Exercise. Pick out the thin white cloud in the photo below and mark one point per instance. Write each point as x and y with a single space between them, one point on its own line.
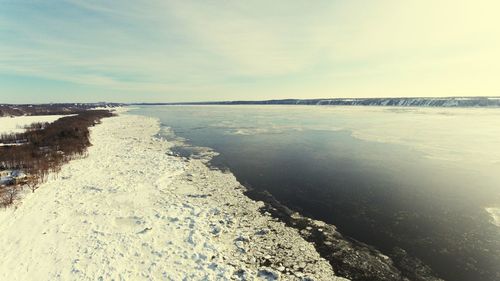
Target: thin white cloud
279 48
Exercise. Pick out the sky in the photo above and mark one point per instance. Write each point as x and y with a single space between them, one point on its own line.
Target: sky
172 51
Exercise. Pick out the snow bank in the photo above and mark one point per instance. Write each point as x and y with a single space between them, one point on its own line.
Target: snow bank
132 211
10 125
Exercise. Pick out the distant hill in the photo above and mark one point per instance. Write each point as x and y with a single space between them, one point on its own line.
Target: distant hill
421 102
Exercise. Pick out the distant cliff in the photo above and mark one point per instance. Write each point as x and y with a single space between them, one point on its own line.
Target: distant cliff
422 102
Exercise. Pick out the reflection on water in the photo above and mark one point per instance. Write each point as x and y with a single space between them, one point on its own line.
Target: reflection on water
424 180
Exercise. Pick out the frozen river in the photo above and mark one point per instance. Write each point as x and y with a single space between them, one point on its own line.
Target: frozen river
421 179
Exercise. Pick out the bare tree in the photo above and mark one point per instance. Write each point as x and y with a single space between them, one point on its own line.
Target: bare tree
33 182
9 194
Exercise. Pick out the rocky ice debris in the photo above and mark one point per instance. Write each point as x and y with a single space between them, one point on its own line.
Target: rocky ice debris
348 257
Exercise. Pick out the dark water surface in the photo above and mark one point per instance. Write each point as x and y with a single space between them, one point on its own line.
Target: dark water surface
367 171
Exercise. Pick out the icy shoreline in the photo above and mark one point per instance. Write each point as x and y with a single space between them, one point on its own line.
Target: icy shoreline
132 211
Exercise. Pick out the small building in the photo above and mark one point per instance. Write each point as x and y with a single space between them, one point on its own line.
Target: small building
4 181
9 177
19 176
5 173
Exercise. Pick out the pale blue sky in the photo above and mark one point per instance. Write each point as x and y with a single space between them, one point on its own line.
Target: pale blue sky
156 50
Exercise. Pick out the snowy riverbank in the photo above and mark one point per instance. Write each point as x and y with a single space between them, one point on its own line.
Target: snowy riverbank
131 211
9 125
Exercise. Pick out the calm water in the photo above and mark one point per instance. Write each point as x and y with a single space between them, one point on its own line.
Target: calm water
418 179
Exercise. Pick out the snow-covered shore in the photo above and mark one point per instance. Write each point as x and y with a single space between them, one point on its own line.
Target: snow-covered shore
132 211
16 124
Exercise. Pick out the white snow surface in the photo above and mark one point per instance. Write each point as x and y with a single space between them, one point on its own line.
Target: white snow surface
10 125
131 211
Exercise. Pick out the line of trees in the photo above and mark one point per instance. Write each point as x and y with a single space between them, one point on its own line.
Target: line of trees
50 109
45 147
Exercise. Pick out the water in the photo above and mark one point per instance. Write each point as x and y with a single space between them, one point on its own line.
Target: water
425 180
